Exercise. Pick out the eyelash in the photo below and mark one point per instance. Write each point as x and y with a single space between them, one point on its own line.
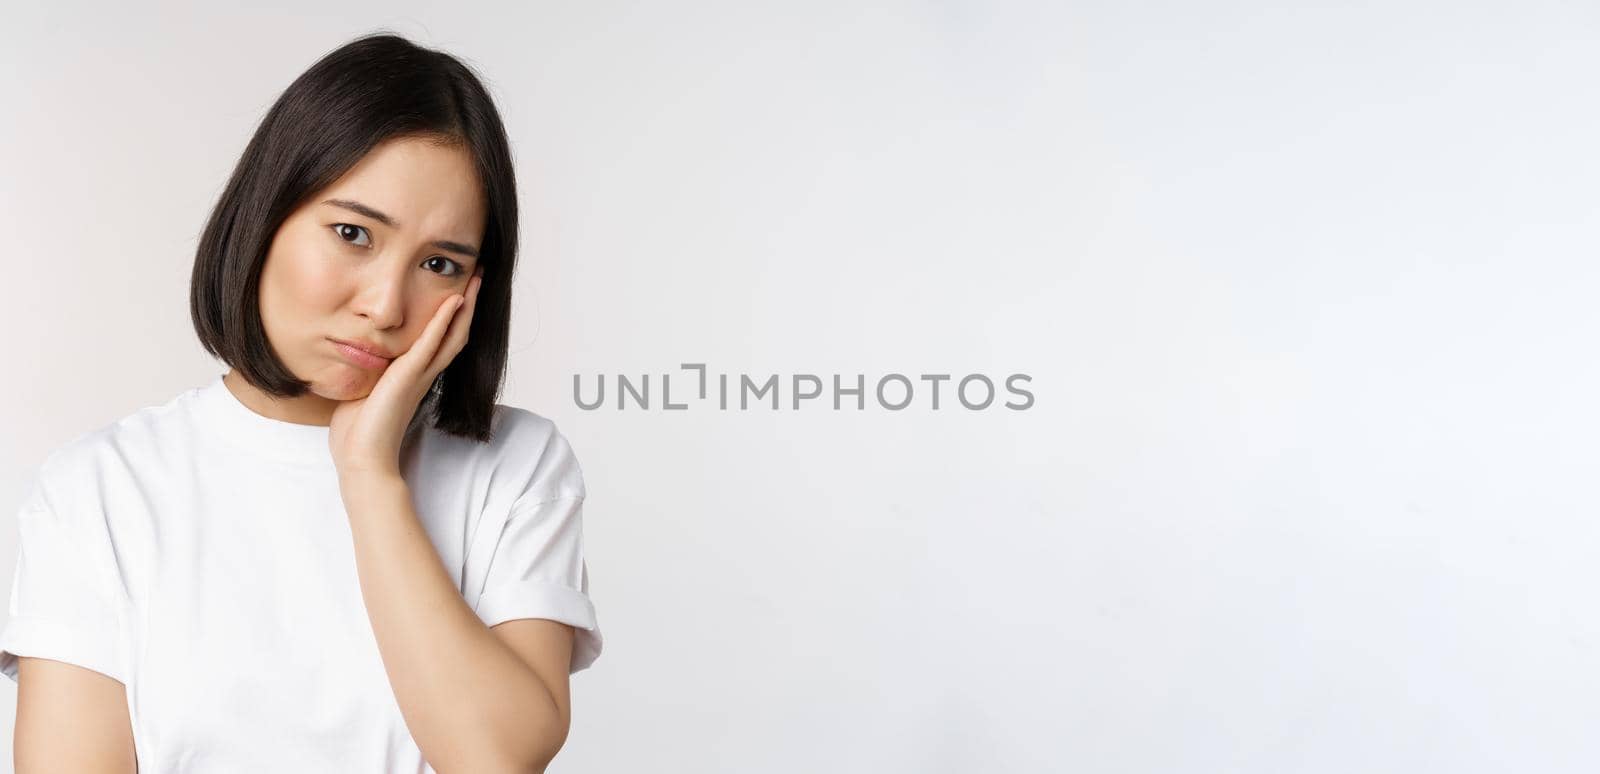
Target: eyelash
337 230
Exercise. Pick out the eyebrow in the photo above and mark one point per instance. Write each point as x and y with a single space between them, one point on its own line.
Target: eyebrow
362 209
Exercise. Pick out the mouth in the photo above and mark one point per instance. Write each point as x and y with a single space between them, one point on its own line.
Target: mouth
359 355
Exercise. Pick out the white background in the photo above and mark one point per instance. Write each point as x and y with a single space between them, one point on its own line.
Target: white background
1306 293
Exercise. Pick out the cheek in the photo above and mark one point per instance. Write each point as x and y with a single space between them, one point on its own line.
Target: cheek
318 283
421 312
299 286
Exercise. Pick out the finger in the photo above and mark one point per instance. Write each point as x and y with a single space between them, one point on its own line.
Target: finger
460 327
428 343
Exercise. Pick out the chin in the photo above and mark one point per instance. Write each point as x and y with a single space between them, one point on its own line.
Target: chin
347 383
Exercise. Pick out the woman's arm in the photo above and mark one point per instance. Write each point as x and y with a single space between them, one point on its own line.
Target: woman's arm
471 702
70 720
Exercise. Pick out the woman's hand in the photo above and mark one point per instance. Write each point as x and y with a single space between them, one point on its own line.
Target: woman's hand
364 435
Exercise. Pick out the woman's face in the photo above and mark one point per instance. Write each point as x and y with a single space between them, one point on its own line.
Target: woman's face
369 259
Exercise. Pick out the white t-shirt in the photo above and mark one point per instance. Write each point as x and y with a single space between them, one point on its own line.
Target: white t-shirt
200 553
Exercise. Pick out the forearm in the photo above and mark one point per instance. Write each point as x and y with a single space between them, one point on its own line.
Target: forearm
470 702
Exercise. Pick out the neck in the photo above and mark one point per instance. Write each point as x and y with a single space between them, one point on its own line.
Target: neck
308 409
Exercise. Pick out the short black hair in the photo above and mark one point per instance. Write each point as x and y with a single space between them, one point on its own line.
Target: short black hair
374 88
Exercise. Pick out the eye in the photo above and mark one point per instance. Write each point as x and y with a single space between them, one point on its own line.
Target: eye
344 229
458 268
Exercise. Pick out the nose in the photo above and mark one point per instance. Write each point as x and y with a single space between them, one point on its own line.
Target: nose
382 295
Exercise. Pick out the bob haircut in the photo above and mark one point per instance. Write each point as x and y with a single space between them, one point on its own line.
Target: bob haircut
374 88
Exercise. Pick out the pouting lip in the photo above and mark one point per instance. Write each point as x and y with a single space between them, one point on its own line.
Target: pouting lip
367 347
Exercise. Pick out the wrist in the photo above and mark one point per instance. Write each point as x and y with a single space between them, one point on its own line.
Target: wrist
369 479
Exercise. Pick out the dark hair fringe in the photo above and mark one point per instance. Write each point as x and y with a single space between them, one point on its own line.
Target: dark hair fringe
374 88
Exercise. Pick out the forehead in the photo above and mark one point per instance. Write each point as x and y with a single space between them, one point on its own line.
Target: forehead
428 189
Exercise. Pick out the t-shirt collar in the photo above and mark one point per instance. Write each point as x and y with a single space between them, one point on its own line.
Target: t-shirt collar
243 428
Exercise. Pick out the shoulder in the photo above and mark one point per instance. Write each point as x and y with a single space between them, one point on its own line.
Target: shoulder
79 467
521 422
535 451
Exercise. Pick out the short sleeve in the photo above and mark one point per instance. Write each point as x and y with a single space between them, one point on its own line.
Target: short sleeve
537 569
64 604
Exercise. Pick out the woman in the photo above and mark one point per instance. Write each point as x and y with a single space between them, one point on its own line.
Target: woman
339 555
